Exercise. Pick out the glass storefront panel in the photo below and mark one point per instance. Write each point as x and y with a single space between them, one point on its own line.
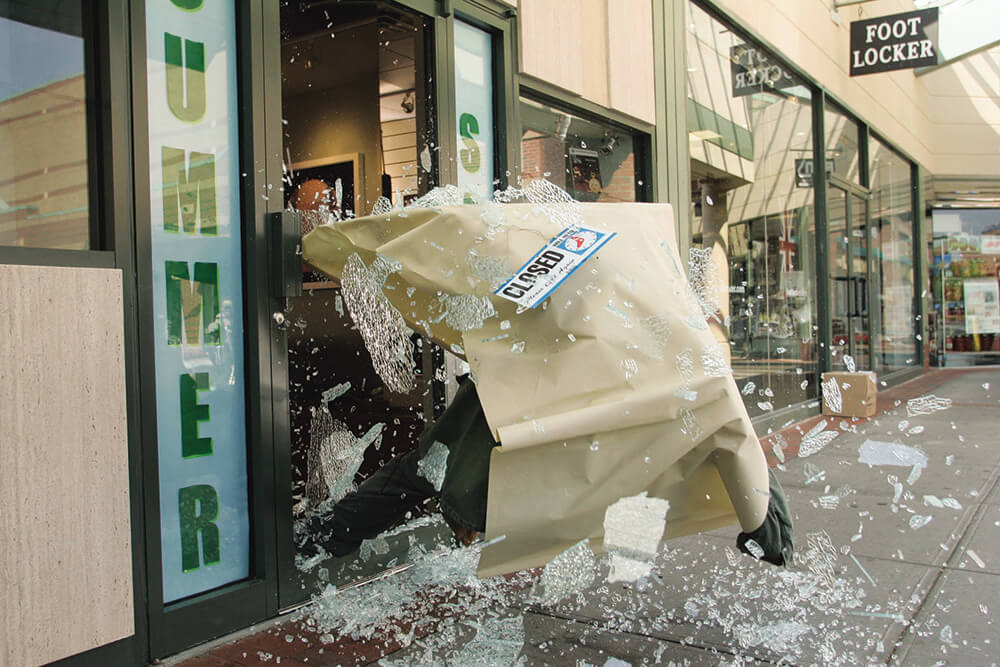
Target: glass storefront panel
750 128
196 247
891 239
592 161
474 108
44 192
965 259
358 137
842 155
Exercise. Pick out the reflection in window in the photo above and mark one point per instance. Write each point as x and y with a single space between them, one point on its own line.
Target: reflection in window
892 238
594 162
43 126
749 137
841 145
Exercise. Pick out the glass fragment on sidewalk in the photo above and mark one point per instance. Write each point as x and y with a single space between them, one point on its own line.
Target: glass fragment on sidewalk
878 453
568 573
633 529
925 405
816 439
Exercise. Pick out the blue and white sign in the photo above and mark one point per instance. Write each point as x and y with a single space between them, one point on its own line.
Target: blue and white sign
552 265
474 108
197 278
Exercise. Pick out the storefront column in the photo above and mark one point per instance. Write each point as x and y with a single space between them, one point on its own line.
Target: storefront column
922 292
671 164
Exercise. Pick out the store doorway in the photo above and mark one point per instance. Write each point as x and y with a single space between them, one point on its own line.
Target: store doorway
851 286
358 133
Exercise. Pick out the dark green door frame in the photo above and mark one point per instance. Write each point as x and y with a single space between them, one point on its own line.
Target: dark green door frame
499 19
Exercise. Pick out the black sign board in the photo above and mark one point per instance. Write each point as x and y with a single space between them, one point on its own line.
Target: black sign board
804 171
754 72
900 41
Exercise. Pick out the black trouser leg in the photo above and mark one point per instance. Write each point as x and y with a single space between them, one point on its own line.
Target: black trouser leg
380 501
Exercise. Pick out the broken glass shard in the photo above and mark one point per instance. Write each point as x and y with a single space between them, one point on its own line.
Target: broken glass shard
704 281
633 526
568 573
713 358
333 393
467 312
492 270
689 424
816 439
831 395
654 332
381 326
877 453
755 549
926 405
383 206
433 465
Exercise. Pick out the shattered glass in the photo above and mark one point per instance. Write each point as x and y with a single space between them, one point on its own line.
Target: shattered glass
383 328
925 405
433 465
634 526
334 457
654 333
713 358
689 424
831 395
467 312
704 281
877 453
492 270
568 573
816 439
552 201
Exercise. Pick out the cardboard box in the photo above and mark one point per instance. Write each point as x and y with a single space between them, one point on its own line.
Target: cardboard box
849 394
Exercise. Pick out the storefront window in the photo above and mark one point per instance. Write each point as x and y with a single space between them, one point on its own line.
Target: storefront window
44 198
964 265
196 259
891 231
474 108
593 161
842 157
750 132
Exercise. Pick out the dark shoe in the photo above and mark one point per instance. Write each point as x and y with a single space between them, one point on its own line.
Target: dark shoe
464 535
772 542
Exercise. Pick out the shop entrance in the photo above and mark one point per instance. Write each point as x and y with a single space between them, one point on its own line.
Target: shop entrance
851 285
357 133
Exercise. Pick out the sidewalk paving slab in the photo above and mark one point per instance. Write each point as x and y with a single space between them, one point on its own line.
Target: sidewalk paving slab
956 625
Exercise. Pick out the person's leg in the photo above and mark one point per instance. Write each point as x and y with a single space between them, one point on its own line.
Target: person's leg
774 536
385 497
379 502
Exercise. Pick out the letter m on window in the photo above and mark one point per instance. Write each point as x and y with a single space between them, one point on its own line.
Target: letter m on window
188 192
192 306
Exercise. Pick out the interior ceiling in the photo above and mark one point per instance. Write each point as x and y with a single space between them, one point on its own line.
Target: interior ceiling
324 47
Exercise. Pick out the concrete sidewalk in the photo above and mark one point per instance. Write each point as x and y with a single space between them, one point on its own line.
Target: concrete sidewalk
894 565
